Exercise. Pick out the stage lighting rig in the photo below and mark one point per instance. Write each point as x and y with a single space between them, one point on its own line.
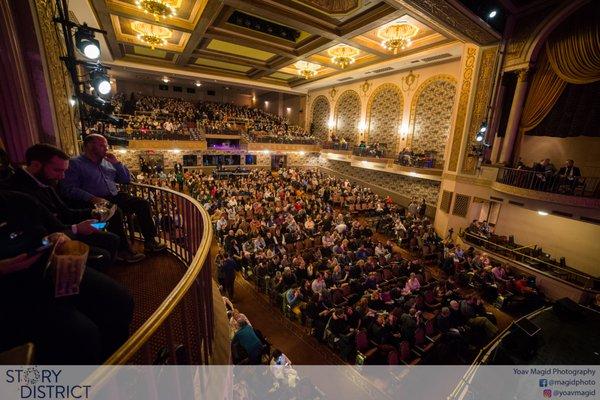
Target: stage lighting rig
86 43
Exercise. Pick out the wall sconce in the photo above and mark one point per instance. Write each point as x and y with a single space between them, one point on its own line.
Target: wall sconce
266 103
330 123
289 110
362 127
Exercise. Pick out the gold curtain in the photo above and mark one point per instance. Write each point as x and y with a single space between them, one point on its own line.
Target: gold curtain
573 49
546 87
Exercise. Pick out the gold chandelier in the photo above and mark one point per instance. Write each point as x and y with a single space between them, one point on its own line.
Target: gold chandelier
307 69
397 36
343 55
151 35
158 8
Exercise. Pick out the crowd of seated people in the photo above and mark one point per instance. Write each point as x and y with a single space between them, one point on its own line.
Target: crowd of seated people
307 239
544 176
409 158
372 150
36 216
162 118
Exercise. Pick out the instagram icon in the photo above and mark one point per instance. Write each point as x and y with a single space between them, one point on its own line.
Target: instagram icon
547 393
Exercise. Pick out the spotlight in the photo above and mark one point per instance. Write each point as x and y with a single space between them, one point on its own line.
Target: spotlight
492 14
483 127
198 84
86 44
165 79
479 137
542 213
72 101
100 82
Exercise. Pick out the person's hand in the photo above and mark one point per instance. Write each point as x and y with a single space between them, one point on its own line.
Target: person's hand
111 158
58 238
98 200
18 263
85 228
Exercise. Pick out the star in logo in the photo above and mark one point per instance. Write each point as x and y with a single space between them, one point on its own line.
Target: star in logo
32 375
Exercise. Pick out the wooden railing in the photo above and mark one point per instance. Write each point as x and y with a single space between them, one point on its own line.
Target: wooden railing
185 316
552 183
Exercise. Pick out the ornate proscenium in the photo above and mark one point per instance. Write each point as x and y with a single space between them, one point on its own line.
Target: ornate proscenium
397 36
307 69
151 35
158 8
343 55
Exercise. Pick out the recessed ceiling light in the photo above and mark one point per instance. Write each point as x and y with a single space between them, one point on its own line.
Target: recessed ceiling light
492 14
542 213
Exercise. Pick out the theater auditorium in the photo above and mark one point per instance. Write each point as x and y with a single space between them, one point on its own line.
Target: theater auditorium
347 183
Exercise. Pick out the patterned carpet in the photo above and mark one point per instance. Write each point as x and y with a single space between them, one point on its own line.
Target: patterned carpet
149 282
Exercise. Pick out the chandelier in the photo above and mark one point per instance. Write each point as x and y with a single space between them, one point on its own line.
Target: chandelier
343 55
307 69
158 8
151 35
397 36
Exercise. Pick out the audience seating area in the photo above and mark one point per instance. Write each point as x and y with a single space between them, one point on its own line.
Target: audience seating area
161 118
367 278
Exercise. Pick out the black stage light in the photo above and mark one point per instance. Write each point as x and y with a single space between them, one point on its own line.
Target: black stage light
86 43
100 82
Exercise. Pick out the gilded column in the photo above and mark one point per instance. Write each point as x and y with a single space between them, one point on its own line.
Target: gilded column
60 86
516 110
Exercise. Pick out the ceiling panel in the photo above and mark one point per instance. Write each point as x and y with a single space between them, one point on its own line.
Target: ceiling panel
261 40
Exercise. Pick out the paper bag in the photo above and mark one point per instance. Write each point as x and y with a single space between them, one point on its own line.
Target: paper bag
68 262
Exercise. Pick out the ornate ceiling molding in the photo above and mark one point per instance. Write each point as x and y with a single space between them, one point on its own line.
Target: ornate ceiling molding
333 6
446 14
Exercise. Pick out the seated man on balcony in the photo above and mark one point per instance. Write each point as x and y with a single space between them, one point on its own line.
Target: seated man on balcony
568 177
92 178
46 166
84 328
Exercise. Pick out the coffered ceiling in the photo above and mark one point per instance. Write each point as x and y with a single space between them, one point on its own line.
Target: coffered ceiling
258 41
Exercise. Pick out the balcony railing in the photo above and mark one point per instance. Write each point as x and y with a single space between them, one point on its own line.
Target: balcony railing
186 315
157 134
281 139
372 152
551 183
530 257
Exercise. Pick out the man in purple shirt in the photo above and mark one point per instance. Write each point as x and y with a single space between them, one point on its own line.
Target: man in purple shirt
92 178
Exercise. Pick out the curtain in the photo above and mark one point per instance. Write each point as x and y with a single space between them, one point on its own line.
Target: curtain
576 113
573 49
546 87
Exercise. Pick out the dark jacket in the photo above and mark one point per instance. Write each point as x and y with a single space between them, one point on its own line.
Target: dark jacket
563 171
22 182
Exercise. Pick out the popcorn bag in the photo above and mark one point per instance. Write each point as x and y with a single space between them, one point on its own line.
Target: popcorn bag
69 261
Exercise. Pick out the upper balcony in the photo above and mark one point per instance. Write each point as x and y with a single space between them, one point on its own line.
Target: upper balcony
573 191
417 166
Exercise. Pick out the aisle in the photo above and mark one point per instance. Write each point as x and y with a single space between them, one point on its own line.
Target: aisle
290 337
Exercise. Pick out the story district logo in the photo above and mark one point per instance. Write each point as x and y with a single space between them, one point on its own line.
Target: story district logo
33 383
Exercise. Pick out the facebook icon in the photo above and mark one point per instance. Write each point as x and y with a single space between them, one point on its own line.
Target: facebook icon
543 382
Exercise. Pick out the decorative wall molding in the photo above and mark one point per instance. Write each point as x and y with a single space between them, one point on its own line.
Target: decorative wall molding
482 96
60 85
463 102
